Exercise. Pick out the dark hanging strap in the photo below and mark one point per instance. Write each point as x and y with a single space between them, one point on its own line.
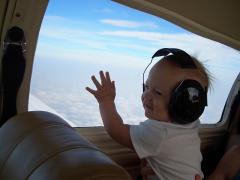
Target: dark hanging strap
13 67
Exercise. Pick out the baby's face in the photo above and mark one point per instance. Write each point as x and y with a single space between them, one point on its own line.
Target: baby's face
162 78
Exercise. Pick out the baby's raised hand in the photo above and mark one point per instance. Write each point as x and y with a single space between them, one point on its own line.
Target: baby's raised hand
105 90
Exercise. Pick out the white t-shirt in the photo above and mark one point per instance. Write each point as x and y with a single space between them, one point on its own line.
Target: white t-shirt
172 150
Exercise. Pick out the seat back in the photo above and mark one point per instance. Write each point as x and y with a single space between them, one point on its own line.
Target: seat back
40 145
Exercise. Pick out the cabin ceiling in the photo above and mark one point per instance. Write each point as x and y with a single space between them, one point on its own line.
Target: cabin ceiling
213 19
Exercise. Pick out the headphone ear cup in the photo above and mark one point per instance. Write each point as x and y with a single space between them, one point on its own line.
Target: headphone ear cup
187 101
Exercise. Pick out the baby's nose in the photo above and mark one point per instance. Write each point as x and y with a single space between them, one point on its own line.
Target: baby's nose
147 95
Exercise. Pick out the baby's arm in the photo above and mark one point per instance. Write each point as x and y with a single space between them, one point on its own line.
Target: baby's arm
113 123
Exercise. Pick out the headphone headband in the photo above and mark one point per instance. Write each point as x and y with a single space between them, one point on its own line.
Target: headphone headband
183 58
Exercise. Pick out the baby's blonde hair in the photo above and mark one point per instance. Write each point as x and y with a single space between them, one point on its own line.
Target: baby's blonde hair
205 73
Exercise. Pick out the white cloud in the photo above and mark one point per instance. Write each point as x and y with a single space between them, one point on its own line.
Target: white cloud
82 109
128 24
214 54
102 43
98 57
107 10
74 36
145 35
207 50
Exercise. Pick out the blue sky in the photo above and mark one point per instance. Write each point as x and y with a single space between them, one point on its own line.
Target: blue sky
79 38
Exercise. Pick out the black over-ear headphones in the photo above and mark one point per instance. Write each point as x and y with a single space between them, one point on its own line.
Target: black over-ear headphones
188 99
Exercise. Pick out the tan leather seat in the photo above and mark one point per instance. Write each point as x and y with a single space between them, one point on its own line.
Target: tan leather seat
40 145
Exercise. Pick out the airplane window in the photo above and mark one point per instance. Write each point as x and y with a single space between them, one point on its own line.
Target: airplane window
78 39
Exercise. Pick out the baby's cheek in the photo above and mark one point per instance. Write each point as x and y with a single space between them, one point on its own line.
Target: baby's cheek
161 106
165 101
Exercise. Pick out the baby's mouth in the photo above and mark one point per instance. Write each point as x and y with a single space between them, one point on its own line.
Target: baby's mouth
148 107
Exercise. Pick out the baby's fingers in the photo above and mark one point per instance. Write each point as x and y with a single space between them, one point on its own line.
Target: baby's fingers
95 81
103 79
108 77
113 85
91 91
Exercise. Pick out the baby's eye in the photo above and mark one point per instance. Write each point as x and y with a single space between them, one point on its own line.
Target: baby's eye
158 92
146 86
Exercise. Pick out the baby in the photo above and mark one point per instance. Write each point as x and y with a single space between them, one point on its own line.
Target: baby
175 94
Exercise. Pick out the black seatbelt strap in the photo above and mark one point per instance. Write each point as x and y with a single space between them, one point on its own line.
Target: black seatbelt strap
13 67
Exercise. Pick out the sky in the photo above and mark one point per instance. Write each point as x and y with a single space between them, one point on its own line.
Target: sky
79 38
